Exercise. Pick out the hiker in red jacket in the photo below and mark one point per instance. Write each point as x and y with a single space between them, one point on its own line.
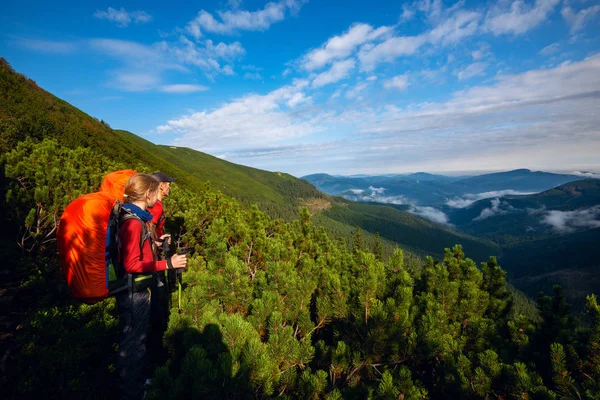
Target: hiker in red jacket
161 299
157 211
138 261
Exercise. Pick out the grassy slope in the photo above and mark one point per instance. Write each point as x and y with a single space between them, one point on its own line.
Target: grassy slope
232 179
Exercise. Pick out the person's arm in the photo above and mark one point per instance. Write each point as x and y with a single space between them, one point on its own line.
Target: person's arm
130 235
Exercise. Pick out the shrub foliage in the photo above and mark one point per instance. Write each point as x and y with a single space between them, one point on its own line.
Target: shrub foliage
272 308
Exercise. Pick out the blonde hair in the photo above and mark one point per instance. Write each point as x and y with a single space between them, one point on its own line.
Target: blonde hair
137 186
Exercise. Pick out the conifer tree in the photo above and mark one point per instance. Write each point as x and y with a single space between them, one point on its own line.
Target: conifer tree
592 360
357 241
378 248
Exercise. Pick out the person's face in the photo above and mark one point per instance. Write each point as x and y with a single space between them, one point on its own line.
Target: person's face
151 197
165 188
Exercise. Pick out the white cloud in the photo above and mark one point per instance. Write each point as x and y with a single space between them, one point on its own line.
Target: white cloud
234 3
436 75
376 191
550 49
472 70
587 174
248 121
387 51
123 18
141 60
374 195
227 70
336 94
455 28
407 13
131 52
483 52
357 191
539 119
341 46
183 88
578 20
231 21
520 18
495 209
297 98
572 221
468 199
227 51
204 55
337 72
539 91
398 82
430 213
433 9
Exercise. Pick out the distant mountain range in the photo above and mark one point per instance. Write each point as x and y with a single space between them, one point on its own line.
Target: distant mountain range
436 190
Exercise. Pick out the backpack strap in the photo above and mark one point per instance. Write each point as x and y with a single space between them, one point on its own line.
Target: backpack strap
126 215
126 281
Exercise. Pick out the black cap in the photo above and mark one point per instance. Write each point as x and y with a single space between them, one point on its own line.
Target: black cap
162 177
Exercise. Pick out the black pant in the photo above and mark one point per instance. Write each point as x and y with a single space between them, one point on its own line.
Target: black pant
134 315
159 321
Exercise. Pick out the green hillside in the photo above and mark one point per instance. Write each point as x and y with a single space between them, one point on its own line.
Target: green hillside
276 193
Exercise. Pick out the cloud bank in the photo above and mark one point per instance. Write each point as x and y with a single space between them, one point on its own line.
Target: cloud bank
572 221
498 207
468 199
430 213
235 20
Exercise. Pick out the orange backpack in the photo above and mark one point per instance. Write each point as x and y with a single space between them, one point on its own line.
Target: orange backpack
87 241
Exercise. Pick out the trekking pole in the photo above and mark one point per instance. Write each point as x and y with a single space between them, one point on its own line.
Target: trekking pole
179 277
165 248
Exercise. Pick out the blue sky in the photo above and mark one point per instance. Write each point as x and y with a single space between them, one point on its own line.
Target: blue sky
342 87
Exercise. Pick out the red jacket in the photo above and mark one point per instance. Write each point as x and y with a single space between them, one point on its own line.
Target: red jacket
129 235
158 217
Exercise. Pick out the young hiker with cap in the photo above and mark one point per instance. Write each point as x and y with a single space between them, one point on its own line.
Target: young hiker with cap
157 211
161 303
138 261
